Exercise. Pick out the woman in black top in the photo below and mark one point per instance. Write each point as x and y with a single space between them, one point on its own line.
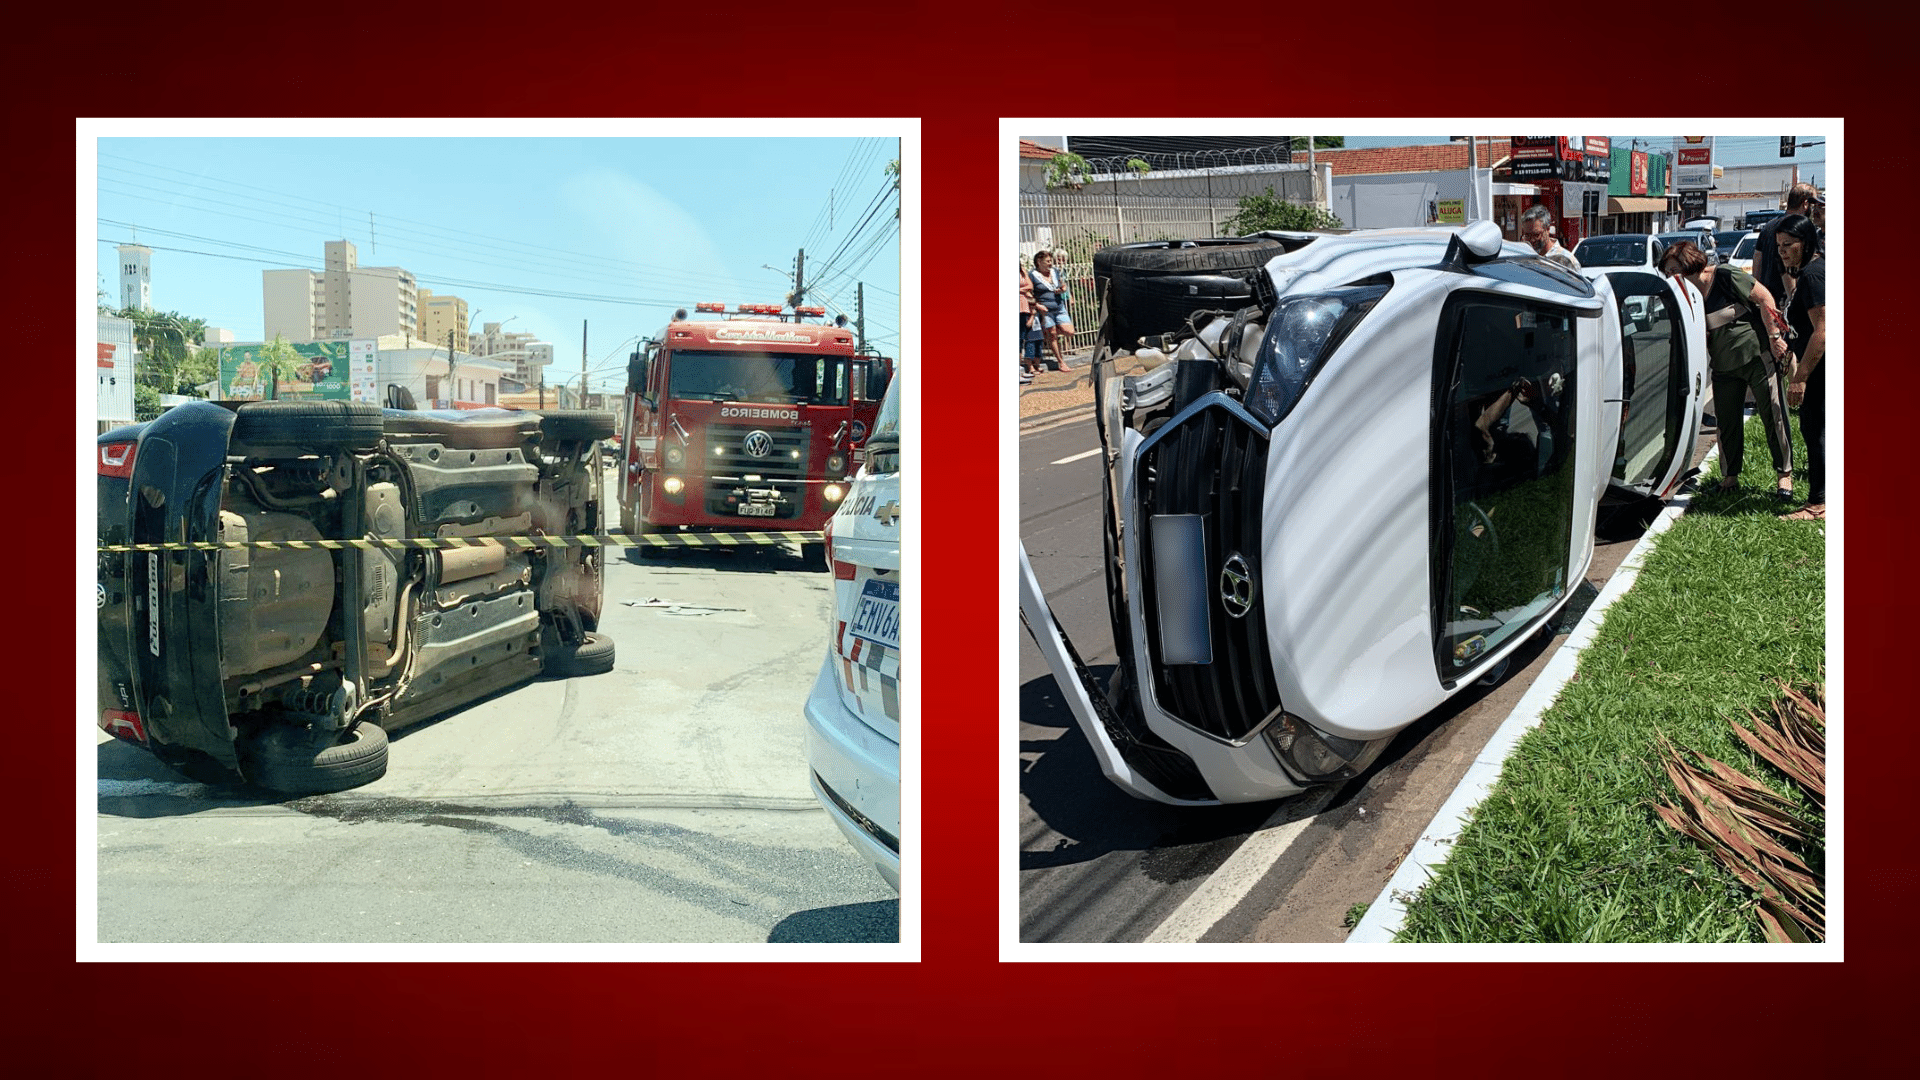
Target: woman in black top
1805 268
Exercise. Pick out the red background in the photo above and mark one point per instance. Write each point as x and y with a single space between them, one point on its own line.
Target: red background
959 1008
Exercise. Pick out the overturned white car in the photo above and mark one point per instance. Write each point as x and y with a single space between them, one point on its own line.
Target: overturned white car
1339 504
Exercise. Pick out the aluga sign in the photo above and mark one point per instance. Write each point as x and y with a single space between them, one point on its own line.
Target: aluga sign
752 419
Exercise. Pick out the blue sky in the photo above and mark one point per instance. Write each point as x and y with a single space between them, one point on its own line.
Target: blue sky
545 232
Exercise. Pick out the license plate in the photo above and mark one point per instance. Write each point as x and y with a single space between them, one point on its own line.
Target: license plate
877 619
757 509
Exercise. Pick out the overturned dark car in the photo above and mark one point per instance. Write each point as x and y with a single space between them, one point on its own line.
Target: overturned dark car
281 584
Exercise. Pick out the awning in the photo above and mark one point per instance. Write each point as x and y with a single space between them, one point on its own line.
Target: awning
1637 205
1504 187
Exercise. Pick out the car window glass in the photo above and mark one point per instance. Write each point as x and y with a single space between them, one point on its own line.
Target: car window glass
1651 343
1507 489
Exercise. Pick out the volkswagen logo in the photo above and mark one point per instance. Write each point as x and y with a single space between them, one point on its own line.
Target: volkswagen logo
757 444
1236 586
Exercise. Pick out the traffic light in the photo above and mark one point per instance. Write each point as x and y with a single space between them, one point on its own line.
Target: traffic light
1786 146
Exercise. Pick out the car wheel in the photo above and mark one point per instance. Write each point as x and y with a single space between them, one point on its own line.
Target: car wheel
576 425
308 425
592 656
282 758
1151 288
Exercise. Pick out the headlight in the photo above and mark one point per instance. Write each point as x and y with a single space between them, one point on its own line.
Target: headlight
833 492
837 463
675 455
1314 755
1301 333
673 485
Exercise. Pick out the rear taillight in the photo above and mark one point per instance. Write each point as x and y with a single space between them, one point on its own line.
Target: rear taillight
123 724
116 459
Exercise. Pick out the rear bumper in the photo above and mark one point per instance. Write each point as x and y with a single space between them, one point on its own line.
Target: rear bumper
158 626
855 775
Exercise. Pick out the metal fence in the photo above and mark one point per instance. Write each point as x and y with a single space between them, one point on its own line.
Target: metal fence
1073 224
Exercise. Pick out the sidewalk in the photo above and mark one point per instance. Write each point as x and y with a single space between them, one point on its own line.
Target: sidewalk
1057 395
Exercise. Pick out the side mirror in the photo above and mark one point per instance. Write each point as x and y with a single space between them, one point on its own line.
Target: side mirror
636 374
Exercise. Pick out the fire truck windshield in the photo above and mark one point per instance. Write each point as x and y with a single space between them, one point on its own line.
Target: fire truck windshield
780 378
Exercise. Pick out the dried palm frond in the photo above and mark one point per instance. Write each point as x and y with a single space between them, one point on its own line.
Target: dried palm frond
1747 827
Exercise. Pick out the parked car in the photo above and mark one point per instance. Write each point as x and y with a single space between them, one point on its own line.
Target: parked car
853 711
286 658
1619 249
1340 505
1742 256
1725 241
1700 237
1757 219
1664 380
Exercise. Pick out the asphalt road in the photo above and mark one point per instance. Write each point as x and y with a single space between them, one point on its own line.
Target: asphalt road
666 801
1099 865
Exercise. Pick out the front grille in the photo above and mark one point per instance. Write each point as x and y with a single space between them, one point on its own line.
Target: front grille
727 452
1214 465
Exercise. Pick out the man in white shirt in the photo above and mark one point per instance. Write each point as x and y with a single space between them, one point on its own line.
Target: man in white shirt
1536 228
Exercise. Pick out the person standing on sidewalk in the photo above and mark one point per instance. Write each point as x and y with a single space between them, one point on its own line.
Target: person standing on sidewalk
1804 268
1740 360
1027 331
1050 292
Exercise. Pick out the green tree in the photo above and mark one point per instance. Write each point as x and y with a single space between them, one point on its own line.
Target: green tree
1067 169
1268 211
1320 142
146 402
893 173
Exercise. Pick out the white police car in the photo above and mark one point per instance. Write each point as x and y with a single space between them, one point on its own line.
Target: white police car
853 712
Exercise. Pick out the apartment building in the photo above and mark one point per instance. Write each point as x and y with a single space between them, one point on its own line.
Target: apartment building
344 300
443 315
528 356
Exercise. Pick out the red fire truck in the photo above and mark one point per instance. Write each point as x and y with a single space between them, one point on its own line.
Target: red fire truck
750 420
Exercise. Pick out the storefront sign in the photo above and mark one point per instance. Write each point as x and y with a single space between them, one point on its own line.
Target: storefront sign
1453 211
1637 174
1534 157
1693 164
1693 204
1599 162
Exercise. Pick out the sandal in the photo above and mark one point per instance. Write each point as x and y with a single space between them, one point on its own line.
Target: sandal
1809 512
1783 494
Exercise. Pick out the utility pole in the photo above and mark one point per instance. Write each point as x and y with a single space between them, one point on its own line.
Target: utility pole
860 316
583 363
800 278
450 367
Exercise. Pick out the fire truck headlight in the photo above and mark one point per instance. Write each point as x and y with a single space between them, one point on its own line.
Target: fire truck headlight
837 463
833 492
672 485
675 455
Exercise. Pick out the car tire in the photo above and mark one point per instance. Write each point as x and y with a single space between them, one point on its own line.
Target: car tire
593 656
282 759
575 425
308 425
1151 288
814 556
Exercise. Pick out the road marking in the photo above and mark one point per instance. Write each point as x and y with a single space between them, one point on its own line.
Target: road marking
1226 887
1076 457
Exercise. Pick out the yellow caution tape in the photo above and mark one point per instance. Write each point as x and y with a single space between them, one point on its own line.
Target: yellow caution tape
517 543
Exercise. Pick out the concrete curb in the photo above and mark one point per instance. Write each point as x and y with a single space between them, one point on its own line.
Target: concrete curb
1388 911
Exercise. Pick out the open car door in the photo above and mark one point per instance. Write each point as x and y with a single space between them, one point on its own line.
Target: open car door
1663 333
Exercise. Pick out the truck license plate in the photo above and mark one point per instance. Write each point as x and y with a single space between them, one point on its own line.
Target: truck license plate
877 619
756 509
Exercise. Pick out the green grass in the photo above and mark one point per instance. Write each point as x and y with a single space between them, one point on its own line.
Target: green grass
1566 847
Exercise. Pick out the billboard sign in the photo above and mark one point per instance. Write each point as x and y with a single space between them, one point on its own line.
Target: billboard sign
360 371
317 371
1453 211
1637 177
113 370
1693 164
1599 163
1534 157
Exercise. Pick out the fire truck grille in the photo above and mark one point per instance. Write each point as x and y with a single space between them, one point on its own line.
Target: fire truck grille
777 456
1213 466
729 446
